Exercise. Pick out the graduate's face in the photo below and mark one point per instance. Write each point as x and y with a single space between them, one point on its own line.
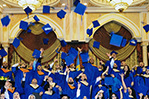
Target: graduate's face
146 97
123 63
84 97
100 95
31 63
39 68
5 65
141 64
16 95
115 65
32 97
114 96
57 66
34 81
64 97
126 68
70 80
113 55
47 66
100 67
72 65
91 60
50 79
83 77
10 85
23 65
147 71
2 96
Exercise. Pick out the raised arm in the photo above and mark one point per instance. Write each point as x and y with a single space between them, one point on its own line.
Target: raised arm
106 71
123 83
51 65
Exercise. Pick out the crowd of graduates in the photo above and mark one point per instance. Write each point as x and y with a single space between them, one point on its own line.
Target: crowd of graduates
112 80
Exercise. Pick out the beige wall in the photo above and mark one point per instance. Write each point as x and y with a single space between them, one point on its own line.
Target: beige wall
73 27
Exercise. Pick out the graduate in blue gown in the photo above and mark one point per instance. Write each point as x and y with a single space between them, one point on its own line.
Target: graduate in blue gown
128 77
116 72
50 66
89 69
146 79
99 85
52 92
124 91
99 95
5 74
57 75
39 74
34 88
69 86
111 62
22 76
139 83
101 68
73 72
9 90
83 87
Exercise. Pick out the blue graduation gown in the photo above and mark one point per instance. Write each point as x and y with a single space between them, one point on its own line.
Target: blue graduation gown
11 94
138 81
39 78
125 95
31 90
67 90
100 72
118 62
147 84
55 95
84 91
18 79
6 75
96 88
129 80
116 74
91 72
57 78
74 74
115 87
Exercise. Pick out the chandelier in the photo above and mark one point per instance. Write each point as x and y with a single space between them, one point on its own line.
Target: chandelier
32 4
120 5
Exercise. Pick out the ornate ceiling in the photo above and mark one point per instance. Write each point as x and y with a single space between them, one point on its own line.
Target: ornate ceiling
13 3
93 5
105 3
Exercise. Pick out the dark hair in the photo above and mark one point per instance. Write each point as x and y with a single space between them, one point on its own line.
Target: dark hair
128 71
65 95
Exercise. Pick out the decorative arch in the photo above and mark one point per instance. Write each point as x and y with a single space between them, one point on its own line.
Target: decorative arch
124 21
33 41
15 31
123 52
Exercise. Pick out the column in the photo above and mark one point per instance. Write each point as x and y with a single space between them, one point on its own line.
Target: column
144 52
6 46
5 38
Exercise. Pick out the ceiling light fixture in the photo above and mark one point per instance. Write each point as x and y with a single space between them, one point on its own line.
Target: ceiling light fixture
32 4
120 5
